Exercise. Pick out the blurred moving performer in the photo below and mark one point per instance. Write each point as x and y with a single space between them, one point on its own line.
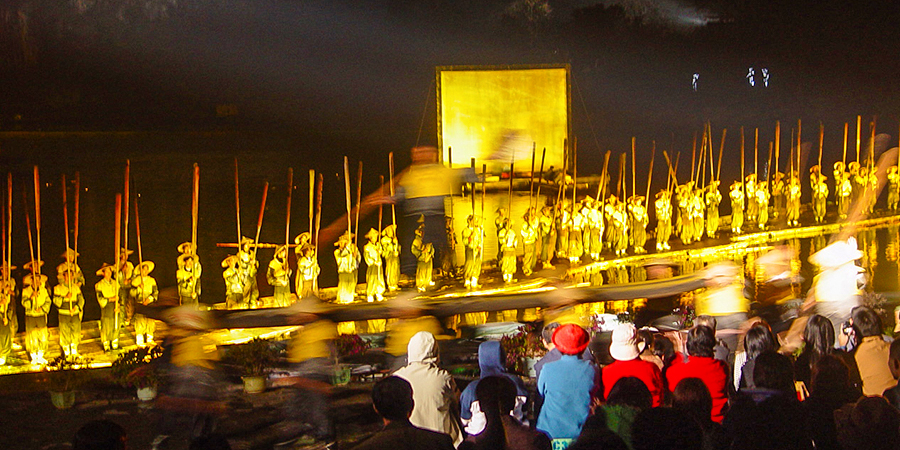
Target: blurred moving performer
374 274
310 354
146 292
192 388
347 257
307 272
108 298
448 258
188 275
411 319
70 305
278 275
762 202
421 190
424 253
36 301
390 250
893 177
473 241
124 274
724 300
392 398
836 286
7 312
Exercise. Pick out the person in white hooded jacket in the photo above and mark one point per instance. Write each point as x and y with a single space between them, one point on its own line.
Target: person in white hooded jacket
434 391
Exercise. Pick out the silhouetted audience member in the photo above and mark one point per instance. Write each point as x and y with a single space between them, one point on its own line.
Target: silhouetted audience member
830 389
873 352
768 416
645 344
666 429
568 386
701 363
392 398
869 424
665 350
552 354
100 435
595 435
721 349
627 398
212 442
692 397
892 395
818 338
759 339
496 396
624 349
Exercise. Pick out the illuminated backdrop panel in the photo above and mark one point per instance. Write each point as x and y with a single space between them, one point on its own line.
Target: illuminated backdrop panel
490 113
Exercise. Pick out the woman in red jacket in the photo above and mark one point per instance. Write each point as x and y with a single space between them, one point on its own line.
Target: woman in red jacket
702 364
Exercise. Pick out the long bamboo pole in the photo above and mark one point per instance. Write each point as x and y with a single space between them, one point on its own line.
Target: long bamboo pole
702 159
117 258
37 210
195 213
483 178
777 144
531 182
77 216
799 142
472 185
512 170
722 149
650 172
694 150
769 164
844 157
318 215
65 200
872 146
743 185
287 225
137 231
34 263
821 142
621 172
126 196
9 202
604 176
347 194
237 202
380 209
393 209
358 201
858 134
633 172
262 211
671 170
312 184
756 155
574 172
537 196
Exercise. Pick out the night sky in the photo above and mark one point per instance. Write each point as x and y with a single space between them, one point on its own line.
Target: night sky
312 81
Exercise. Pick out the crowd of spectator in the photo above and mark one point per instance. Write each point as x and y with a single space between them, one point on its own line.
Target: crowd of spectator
647 389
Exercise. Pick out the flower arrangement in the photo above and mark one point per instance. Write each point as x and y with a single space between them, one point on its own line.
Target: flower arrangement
525 343
347 345
134 368
64 374
255 358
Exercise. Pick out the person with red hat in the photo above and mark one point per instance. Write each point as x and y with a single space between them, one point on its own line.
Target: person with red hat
568 385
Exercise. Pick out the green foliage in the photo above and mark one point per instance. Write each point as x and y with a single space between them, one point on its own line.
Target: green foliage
525 343
134 369
255 358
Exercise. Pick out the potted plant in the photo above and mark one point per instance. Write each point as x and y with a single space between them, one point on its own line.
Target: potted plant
255 358
135 368
523 349
346 346
64 376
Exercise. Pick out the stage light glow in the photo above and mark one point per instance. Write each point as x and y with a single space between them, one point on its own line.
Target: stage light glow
480 108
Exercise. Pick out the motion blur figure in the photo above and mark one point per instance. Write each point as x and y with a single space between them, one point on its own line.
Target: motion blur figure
836 286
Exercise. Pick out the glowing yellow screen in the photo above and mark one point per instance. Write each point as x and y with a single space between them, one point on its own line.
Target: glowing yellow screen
480 109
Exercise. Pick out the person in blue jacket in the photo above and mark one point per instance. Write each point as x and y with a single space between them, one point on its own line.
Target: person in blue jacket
491 362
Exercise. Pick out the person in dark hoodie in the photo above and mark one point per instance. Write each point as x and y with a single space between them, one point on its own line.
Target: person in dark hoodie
491 362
